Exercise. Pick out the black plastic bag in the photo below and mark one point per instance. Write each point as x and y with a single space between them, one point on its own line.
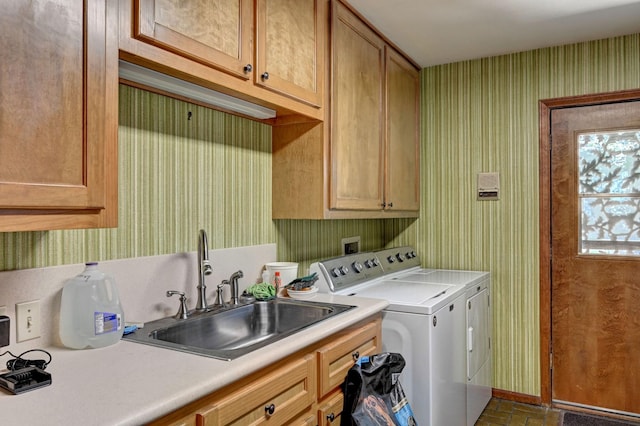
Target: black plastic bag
373 395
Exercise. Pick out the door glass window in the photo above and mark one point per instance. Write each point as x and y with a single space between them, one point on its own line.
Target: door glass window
609 192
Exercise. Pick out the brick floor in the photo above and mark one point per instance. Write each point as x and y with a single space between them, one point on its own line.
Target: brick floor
500 412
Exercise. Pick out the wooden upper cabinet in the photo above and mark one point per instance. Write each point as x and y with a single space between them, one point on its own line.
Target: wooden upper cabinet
270 52
215 33
290 47
402 186
58 118
362 162
357 132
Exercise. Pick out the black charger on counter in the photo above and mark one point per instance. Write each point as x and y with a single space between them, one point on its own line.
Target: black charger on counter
24 374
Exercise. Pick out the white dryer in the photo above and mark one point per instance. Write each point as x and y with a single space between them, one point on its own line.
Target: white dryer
479 365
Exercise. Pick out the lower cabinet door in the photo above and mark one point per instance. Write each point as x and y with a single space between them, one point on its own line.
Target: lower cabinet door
276 398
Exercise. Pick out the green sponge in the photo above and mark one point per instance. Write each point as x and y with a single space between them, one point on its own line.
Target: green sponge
262 291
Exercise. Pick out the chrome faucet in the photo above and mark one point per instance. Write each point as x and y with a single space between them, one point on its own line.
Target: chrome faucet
233 280
204 268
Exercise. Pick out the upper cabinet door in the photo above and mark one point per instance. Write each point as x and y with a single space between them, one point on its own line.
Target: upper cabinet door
402 188
357 121
290 39
58 115
217 33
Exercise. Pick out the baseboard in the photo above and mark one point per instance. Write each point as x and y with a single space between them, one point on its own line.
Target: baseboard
517 397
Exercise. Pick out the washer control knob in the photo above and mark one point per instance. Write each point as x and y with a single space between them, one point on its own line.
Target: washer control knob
357 266
375 261
401 257
412 254
335 272
391 259
344 270
369 263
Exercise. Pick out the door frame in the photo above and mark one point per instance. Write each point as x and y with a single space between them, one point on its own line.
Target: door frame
545 107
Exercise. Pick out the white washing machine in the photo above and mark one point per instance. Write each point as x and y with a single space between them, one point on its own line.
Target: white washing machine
426 322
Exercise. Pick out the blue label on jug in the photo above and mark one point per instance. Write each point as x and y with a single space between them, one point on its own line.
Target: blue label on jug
106 322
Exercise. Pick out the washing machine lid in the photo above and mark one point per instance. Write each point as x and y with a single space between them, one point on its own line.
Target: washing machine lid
444 276
410 296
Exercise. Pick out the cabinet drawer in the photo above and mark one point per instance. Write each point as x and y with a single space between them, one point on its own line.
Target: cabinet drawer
337 357
330 410
288 390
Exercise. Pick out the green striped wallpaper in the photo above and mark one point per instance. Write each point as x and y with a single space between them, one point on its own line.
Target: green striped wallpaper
177 174
482 116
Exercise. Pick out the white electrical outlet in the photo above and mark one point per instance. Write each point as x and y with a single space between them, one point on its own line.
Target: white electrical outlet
27 320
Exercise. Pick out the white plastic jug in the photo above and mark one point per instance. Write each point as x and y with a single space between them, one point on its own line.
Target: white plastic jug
90 312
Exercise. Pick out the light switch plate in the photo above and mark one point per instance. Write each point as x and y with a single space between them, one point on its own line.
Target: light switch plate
488 186
27 320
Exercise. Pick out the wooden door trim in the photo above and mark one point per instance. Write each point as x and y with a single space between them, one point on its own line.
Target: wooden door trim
545 107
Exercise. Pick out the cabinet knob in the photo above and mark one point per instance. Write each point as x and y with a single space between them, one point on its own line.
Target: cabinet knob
248 68
355 355
265 76
331 417
390 204
270 409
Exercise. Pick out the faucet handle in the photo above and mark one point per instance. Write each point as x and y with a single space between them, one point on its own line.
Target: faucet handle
219 299
182 311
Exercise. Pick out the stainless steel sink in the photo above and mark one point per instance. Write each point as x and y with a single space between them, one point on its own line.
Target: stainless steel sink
232 332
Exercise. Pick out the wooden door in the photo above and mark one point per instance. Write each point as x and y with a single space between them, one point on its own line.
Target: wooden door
357 123
58 117
216 33
595 263
290 39
402 177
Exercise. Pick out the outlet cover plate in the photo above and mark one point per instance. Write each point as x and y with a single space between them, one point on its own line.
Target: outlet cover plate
350 245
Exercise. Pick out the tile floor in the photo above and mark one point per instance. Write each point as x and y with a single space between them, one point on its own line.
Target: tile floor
508 413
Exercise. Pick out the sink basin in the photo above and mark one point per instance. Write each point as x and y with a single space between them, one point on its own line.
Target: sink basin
232 332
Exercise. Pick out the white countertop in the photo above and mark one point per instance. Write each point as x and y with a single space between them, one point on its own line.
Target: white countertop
130 383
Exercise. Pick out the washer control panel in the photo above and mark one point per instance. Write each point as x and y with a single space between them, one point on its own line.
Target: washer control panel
346 271
398 258
339 273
